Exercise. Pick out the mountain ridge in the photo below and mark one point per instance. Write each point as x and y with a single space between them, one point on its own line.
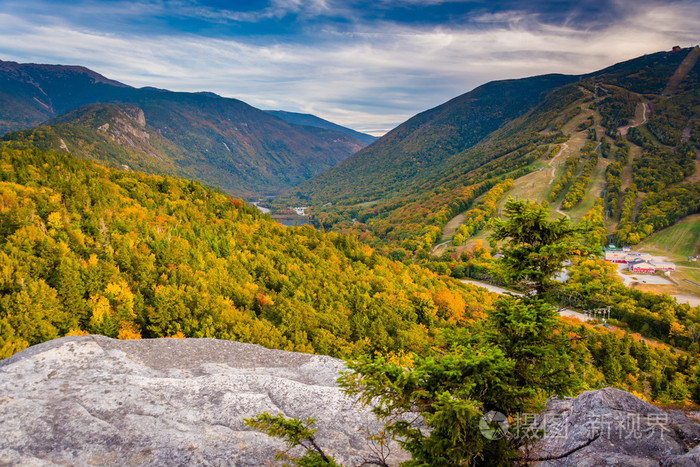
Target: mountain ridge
222 141
432 136
314 121
403 189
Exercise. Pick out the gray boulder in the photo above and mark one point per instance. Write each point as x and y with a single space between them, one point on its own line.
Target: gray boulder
612 427
91 400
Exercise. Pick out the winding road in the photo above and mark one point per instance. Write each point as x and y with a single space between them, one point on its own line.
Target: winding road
562 311
502 291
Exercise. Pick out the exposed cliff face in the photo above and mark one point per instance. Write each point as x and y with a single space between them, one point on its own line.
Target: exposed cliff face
93 400
127 128
219 141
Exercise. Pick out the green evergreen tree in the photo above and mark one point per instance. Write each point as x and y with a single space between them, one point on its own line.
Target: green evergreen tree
513 364
534 248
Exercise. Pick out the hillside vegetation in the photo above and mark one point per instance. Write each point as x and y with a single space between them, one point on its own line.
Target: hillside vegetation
88 249
678 241
221 142
610 135
85 248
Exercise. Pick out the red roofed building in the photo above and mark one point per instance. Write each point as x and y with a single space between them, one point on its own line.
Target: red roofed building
643 268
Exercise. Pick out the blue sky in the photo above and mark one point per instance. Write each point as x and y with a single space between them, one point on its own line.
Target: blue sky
368 65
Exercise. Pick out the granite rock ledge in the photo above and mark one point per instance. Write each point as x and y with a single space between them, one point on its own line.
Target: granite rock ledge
93 400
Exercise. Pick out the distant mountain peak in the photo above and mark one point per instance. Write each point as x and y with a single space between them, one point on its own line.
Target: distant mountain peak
317 122
26 69
217 140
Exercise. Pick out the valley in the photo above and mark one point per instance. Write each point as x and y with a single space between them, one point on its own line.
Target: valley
600 120
453 265
222 142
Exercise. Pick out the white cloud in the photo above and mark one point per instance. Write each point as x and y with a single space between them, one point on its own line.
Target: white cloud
368 79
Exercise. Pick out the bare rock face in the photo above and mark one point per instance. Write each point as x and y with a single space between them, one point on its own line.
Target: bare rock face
128 128
91 400
613 427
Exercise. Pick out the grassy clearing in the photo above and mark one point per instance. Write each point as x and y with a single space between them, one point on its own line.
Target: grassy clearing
533 186
593 192
523 187
452 225
690 273
676 242
367 204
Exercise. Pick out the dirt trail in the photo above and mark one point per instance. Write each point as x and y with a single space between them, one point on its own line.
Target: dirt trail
623 130
439 246
563 148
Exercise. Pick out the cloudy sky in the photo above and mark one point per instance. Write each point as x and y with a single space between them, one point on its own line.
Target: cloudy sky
366 64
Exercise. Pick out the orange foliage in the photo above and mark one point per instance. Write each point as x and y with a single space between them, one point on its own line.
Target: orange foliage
129 331
450 304
264 300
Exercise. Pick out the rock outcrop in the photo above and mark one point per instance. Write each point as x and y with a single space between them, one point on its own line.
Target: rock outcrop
613 427
128 127
91 400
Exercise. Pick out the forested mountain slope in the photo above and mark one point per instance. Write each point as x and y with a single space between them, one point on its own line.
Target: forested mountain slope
568 140
416 148
317 122
220 141
84 248
89 249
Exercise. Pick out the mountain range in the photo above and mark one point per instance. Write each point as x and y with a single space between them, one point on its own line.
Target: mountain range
317 122
627 135
221 141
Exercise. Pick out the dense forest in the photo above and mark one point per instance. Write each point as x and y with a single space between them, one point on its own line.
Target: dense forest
88 249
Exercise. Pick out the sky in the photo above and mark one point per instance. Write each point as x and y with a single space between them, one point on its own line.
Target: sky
365 64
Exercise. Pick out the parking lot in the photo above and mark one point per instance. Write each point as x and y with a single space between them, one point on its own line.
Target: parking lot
628 279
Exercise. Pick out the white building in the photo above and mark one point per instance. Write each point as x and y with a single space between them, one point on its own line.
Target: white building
663 266
618 256
642 267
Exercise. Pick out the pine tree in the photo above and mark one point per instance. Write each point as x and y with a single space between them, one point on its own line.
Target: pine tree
535 248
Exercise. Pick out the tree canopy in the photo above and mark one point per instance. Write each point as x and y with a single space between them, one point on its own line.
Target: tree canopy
534 247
